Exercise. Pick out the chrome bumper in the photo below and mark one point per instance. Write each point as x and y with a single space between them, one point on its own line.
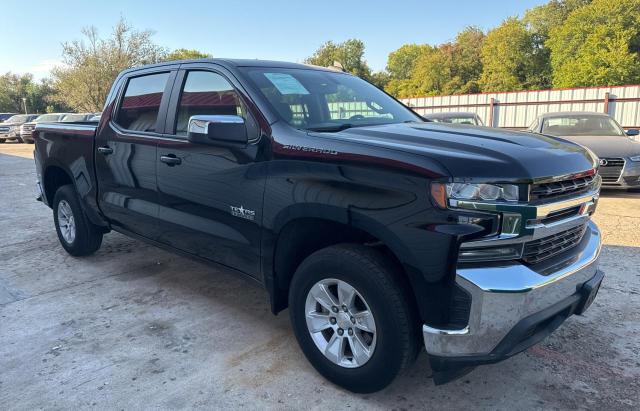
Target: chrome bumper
503 295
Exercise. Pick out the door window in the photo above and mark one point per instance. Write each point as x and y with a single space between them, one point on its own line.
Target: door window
141 102
208 93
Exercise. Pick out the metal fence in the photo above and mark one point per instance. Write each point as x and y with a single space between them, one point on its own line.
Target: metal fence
517 110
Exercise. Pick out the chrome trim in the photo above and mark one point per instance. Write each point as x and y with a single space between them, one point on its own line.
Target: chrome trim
624 165
538 211
441 331
200 124
502 296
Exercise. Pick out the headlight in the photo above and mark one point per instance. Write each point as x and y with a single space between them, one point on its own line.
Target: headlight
635 158
473 192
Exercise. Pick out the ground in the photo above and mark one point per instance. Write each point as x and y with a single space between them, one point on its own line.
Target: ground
136 327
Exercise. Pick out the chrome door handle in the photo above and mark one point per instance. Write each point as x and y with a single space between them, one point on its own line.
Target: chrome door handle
171 160
105 150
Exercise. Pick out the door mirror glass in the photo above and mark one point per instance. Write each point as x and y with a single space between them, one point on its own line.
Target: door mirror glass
212 129
633 132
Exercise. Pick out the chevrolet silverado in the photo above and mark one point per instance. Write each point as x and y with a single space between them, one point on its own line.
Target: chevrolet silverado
381 233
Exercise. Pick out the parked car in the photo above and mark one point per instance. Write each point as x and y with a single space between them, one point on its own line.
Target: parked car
5 116
380 232
76 117
26 130
618 151
455 118
10 129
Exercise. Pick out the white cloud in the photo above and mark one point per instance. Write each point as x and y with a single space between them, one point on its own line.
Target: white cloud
43 68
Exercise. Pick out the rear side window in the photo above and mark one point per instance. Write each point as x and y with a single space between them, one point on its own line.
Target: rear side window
207 93
141 102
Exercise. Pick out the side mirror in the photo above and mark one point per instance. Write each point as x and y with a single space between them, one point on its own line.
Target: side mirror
212 129
633 132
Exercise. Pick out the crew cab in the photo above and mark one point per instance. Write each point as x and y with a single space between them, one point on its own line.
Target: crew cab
381 233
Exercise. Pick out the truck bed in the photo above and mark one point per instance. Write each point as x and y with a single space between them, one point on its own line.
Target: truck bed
70 147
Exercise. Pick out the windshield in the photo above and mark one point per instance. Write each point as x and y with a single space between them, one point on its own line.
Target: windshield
326 101
581 125
47 117
21 118
70 118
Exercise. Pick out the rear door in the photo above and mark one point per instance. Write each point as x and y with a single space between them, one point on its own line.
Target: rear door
211 202
126 157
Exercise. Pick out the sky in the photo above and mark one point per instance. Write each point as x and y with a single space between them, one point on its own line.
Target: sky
32 32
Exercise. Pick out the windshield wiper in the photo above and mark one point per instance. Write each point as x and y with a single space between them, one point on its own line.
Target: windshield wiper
329 129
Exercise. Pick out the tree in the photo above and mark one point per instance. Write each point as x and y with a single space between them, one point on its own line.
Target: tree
539 21
450 68
14 87
401 62
90 68
542 19
349 54
598 44
509 58
186 54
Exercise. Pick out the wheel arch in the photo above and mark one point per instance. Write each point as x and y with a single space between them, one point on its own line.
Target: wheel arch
301 235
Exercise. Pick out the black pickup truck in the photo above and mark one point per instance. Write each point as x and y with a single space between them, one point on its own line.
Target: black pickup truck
379 231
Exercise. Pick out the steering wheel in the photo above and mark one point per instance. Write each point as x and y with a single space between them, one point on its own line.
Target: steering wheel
357 117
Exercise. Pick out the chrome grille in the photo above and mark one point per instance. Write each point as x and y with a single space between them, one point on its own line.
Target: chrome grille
547 247
4 129
610 169
559 188
28 127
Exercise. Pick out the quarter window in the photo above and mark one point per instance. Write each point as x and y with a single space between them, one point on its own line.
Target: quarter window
207 93
141 102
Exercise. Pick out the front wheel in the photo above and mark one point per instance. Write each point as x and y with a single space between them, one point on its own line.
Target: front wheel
351 313
76 233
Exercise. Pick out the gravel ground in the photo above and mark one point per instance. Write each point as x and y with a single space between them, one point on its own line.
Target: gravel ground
135 327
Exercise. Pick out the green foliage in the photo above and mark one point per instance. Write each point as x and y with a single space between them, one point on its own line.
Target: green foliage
598 44
401 62
510 59
349 54
89 68
450 68
14 87
186 54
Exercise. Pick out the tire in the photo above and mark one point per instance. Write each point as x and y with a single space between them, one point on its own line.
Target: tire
78 236
2 140
394 344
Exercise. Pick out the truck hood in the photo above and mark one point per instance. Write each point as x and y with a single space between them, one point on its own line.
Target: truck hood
608 146
480 153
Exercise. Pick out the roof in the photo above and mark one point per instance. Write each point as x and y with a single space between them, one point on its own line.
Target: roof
573 113
236 63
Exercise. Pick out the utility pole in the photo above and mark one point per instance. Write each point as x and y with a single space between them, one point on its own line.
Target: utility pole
24 103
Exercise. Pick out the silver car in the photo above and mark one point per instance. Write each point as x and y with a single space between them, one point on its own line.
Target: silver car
455 118
10 129
617 149
26 130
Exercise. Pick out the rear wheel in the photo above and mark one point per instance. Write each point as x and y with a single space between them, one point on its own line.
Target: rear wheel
2 140
351 314
76 233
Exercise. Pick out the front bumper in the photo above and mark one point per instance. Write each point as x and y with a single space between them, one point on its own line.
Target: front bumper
513 307
11 135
